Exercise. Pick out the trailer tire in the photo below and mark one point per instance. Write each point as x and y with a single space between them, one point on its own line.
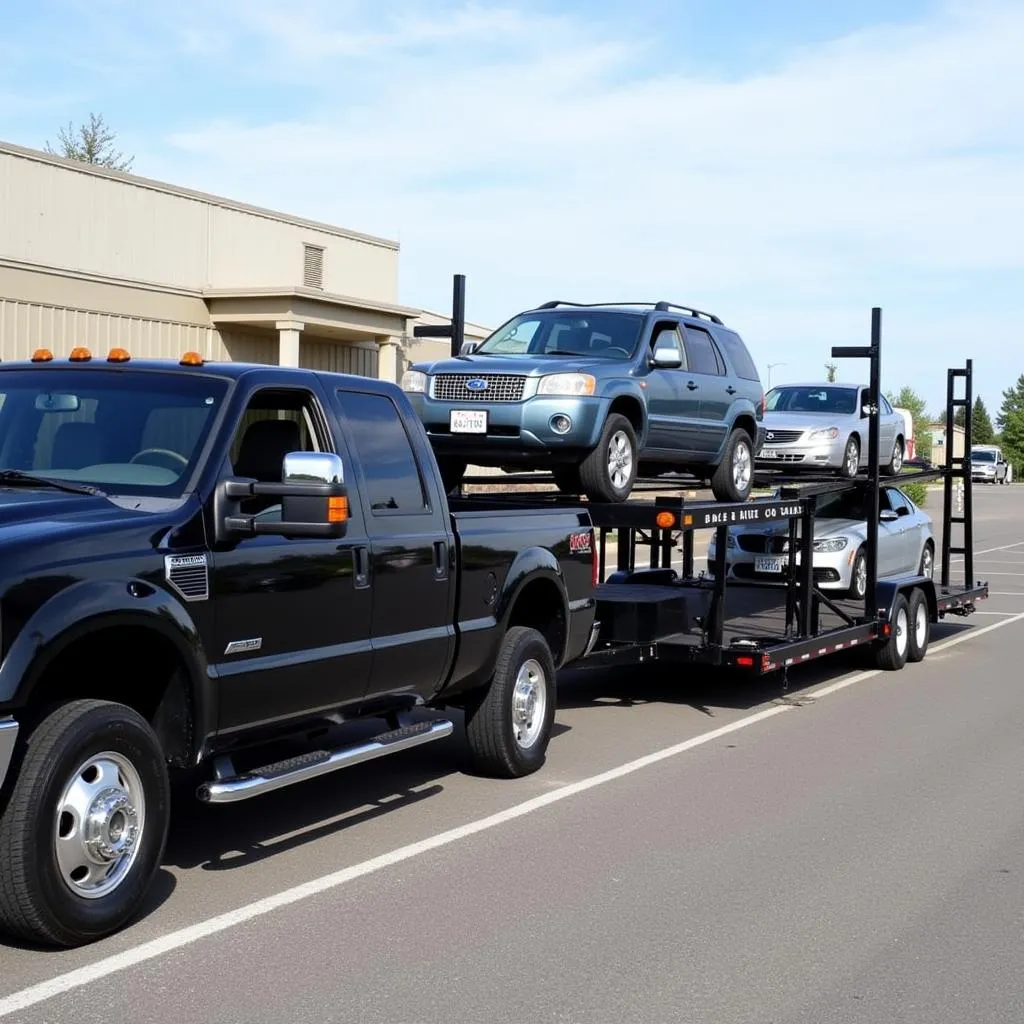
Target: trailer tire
891 653
85 826
508 725
920 625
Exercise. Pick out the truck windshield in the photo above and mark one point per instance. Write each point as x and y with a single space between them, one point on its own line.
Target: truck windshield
125 433
826 399
566 333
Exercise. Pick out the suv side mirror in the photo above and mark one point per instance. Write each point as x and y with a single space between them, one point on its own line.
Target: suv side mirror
666 357
314 500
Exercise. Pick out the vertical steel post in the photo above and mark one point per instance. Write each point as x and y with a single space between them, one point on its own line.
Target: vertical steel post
874 475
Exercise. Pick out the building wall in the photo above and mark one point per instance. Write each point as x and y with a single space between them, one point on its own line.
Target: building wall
62 215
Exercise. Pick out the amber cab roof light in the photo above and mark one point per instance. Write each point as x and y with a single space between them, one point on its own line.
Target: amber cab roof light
191 359
118 355
80 354
42 355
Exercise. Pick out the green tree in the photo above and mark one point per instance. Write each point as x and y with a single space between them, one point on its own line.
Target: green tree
907 398
92 143
1011 425
831 369
982 431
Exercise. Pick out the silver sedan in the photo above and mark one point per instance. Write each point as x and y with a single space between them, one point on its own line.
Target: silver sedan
825 427
906 544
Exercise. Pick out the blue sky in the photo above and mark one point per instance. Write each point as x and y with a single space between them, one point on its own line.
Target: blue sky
786 165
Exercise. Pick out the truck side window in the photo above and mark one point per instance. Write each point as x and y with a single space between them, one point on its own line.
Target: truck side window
275 422
382 446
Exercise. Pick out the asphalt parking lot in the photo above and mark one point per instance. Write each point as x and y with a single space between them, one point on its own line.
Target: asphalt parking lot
695 849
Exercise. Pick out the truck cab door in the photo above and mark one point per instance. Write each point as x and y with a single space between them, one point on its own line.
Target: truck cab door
292 621
410 559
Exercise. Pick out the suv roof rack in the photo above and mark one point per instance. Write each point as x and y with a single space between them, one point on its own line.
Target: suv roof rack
661 307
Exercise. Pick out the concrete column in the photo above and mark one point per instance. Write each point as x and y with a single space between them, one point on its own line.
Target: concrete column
388 359
289 332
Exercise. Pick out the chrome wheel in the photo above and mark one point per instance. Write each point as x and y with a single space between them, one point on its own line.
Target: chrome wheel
900 632
98 826
897 457
741 466
927 562
851 461
921 625
860 576
529 703
620 460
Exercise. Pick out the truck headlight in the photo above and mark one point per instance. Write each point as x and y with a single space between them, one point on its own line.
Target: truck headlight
568 385
830 544
414 381
824 434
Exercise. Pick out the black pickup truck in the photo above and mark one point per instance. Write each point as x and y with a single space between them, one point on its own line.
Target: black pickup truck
214 569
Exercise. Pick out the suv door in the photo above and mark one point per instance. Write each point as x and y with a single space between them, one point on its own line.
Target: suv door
673 411
292 625
706 378
409 563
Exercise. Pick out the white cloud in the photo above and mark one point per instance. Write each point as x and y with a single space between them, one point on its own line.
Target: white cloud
547 157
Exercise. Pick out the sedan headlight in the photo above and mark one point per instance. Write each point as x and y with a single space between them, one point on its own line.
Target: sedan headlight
830 544
414 381
567 384
824 434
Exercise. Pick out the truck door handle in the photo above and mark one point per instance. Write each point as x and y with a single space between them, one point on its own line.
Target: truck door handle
361 562
440 560
691 386
730 390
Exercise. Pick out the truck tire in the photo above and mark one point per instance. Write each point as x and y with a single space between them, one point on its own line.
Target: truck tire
609 471
891 654
85 826
509 725
919 624
734 476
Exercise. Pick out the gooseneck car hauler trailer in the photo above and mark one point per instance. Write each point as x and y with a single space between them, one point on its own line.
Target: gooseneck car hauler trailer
655 612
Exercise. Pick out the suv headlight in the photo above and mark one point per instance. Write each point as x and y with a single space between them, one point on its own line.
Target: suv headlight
830 544
567 384
825 434
414 381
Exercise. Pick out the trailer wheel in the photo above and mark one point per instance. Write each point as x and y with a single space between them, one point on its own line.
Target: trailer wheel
891 654
84 829
509 725
919 621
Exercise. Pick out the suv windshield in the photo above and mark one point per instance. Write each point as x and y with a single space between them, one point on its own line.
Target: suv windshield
983 456
566 333
127 433
825 399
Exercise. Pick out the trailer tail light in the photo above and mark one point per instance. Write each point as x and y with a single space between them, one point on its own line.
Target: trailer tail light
745 661
665 520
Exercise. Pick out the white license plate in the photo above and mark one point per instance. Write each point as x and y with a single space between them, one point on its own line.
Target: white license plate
468 421
769 565
768 453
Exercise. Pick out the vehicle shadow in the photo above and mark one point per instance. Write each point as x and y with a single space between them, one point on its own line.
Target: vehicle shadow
231 836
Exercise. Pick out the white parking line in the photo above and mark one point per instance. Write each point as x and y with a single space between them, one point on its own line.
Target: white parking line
92 973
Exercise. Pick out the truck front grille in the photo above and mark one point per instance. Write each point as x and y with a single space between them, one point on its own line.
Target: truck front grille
501 387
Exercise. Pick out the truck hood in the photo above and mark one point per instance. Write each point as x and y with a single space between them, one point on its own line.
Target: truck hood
532 366
30 513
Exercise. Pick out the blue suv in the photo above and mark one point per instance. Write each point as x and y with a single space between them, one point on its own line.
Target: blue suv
598 394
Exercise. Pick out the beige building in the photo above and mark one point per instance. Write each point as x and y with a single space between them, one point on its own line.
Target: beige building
94 257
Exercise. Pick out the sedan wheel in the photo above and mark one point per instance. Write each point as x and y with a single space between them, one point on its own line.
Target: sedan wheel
851 459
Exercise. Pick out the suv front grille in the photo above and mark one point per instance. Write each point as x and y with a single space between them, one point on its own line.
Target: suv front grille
501 387
782 436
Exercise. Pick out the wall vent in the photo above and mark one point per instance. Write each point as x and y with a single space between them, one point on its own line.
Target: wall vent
313 266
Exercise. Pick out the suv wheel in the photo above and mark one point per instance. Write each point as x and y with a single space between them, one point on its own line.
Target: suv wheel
609 471
734 476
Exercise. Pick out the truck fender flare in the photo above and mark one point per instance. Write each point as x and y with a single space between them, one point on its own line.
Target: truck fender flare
91 604
530 565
